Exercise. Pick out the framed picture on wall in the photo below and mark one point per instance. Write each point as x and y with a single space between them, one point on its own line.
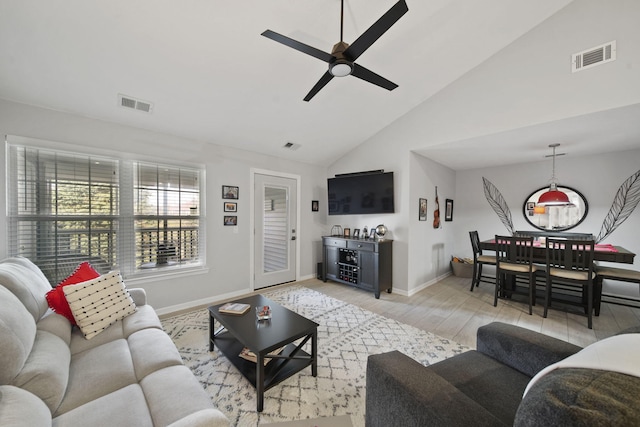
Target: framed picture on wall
448 210
230 207
422 209
315 206
230 220
230 192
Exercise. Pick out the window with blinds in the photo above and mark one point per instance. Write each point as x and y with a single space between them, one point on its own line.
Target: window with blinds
65 208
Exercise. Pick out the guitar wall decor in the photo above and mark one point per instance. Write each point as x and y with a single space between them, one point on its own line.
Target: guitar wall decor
436 212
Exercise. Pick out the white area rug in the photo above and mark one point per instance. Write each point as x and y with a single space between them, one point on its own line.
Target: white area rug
347 335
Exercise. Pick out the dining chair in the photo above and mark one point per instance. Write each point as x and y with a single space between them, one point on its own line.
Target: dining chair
571 261
514 257
480 260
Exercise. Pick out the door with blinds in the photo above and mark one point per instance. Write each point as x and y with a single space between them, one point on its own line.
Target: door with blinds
275 216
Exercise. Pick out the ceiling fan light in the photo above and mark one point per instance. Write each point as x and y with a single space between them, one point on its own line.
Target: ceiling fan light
340 69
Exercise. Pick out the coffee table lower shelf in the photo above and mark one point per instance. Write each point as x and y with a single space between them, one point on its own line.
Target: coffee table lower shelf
276 371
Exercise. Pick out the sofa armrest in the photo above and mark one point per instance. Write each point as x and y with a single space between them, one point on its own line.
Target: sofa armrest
522 349
139 296
400 391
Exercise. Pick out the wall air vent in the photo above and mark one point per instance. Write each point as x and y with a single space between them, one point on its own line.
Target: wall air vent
592 57
134 104
291 146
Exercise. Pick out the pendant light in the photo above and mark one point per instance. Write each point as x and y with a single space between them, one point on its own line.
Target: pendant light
553 197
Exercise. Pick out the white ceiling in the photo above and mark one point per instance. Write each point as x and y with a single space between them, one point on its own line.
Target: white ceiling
213 78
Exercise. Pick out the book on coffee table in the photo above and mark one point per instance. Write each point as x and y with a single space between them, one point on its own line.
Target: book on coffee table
234 308
251 356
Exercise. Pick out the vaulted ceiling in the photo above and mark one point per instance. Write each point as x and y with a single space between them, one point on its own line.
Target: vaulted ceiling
212 77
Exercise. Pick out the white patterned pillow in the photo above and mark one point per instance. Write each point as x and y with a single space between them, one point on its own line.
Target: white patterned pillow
98 303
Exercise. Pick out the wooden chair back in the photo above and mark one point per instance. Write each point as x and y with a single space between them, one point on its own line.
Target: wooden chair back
570 254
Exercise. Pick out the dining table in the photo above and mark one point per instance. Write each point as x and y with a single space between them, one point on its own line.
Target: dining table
605 252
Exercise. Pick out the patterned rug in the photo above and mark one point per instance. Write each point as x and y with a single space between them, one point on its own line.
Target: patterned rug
347 335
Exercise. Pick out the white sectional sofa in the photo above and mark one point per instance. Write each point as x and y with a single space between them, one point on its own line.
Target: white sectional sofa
130 374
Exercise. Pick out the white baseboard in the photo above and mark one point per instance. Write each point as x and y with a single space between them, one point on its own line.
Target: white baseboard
414 291
190 305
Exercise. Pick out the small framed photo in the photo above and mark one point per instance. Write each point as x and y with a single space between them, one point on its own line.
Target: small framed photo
356 233
230 207
448 210
531 205
230 220
315 206
347 232
422 209
230 192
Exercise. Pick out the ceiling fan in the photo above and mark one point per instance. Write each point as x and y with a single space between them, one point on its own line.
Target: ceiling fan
342 58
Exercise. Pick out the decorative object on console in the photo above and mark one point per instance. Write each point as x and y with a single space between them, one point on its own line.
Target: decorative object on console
381 230
336 230
356 233
554 197
347 232
365 232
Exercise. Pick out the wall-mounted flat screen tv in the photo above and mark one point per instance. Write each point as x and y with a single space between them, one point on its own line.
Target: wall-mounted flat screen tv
361 193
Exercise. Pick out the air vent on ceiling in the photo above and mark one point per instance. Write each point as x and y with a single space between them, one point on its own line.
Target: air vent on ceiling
595 56
291 146
135 104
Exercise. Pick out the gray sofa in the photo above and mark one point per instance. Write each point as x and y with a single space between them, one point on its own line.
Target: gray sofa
130 374
484 387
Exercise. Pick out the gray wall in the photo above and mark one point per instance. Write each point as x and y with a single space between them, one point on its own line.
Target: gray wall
228 253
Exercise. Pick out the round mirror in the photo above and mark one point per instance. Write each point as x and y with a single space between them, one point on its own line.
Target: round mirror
555 218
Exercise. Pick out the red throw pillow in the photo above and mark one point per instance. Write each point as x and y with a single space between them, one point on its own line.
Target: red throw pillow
55 297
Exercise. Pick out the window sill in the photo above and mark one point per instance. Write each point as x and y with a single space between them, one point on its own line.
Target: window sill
162 274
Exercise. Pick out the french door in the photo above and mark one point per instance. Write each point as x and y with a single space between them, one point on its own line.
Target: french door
275 225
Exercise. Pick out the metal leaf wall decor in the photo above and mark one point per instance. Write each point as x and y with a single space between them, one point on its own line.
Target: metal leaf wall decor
624 203
498 204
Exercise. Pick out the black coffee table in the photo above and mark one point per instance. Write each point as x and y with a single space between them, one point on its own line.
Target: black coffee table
262 337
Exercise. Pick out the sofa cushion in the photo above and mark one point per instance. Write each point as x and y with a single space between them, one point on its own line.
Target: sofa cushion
577 396
145 317
123 407
484 379
57 325
97 372
17 334
152 350
55 297
173 393
19 408
46 371
99 302
26 281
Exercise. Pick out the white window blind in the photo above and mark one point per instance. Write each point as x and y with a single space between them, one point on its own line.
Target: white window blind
65 208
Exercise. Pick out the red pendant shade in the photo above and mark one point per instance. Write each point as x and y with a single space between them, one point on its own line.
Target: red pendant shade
553 197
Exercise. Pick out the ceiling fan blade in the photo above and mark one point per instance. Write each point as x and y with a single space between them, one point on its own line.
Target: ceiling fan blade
326 78
309 50
371 77
374 32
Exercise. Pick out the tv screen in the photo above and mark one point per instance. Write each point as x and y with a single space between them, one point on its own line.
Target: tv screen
358 194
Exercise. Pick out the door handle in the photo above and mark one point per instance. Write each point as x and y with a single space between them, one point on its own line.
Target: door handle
293 238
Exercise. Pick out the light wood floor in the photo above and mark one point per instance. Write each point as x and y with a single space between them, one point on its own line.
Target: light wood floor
450 310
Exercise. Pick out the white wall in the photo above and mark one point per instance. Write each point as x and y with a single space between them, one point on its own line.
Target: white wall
527 83
227 252
598 178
